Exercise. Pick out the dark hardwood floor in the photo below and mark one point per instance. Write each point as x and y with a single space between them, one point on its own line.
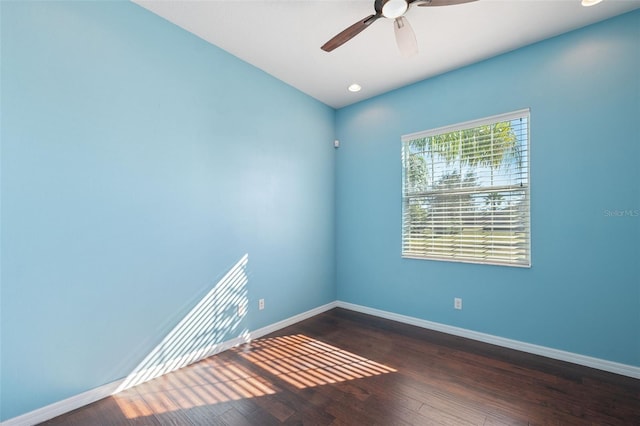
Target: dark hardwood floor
346 368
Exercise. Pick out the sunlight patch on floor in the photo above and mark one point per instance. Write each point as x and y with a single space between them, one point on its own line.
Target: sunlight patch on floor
305 362
211 381
297 360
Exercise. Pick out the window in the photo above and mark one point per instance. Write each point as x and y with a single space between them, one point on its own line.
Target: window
465 192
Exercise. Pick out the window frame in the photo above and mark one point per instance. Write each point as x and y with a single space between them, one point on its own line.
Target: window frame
526 191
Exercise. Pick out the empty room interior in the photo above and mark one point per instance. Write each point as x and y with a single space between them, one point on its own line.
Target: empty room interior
202 224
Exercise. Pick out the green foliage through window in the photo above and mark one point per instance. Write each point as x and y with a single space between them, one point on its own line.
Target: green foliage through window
466 192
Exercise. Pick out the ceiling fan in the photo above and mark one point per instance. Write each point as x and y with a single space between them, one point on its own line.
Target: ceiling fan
390 9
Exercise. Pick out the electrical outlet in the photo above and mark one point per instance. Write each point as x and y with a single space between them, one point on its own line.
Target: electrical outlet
457 303
261 304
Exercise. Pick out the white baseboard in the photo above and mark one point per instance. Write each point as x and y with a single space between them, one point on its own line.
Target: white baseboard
600 364
293 320
61 407
58 408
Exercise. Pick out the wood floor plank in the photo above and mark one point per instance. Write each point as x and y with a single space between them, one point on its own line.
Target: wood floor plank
347 368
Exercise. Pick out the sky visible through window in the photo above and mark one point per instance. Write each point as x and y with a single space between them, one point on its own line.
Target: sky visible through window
465 192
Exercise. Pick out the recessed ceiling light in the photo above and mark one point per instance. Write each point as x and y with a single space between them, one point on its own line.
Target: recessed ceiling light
590 2
355 87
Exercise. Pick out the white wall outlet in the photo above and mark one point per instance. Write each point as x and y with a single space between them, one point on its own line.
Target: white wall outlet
457 303
261 304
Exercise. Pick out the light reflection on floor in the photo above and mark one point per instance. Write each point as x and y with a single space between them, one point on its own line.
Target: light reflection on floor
305 362
296 359
207 382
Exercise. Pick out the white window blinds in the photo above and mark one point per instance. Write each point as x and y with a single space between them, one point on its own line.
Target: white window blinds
465 191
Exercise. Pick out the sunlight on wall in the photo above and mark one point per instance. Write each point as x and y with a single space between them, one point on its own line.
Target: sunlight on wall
305 362
200 333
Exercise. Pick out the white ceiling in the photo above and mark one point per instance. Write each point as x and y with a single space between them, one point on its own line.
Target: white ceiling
283 37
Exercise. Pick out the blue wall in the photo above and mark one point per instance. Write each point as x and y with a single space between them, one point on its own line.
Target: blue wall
582 293
139 164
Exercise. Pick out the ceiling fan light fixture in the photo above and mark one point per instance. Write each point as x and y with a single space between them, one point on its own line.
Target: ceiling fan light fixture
393 9
587 3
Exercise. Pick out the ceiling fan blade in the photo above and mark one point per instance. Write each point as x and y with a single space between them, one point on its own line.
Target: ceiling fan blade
431 3
405 37
349 33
